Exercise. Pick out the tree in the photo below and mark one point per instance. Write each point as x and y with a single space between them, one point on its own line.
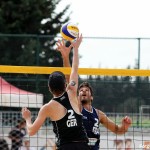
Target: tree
28 31
25 17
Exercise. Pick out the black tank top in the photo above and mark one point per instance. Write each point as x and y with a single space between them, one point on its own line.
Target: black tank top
70 127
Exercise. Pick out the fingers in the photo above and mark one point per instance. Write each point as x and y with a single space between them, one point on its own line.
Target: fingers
25 113
24 109
76 43
61 47
127 120
63 42
60 44
79 38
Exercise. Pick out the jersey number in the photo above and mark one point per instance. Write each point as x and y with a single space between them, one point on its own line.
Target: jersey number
71 115
71 122
96 128
96 123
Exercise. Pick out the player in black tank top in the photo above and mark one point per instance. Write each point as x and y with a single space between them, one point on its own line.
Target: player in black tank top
70 128
63 108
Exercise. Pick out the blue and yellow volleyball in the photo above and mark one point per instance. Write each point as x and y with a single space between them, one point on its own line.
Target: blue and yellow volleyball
69 31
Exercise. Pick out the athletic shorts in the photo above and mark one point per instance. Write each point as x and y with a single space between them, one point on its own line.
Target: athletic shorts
74 146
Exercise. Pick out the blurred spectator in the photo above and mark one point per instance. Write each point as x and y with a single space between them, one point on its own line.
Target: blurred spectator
118 144
16 135
3 144
128 144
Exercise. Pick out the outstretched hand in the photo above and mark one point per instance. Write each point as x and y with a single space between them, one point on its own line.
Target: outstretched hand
26 113
126 122
61 47
75 44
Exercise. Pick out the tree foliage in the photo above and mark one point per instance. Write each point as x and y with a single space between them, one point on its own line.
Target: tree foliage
26 17
28 31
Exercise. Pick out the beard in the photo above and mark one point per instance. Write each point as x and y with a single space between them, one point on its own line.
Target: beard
85 101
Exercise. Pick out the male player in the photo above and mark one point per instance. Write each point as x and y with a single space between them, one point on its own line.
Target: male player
63 109
92 117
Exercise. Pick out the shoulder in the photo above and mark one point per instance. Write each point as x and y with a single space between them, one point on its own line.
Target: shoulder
100 114
99 111
49 108
48 105
45 108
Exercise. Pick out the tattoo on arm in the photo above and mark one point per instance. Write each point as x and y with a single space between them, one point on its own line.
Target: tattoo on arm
72 83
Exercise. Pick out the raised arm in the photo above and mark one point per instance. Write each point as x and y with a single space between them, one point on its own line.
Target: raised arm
75 63
65 51
110 125
32 128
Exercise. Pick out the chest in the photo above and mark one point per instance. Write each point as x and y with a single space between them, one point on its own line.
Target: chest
90 118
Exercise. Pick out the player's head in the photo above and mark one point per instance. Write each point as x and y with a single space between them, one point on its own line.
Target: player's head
85 92
57 83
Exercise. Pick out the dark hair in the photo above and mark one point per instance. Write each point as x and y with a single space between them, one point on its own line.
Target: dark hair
57 82
86 84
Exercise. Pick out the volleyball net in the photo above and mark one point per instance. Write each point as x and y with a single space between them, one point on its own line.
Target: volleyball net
117 92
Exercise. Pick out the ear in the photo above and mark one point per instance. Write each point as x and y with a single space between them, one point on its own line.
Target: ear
91 98
50 89
66 84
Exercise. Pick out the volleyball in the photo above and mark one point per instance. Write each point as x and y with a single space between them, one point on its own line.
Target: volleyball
69 31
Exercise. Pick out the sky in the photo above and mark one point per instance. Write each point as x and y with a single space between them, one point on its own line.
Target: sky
112 18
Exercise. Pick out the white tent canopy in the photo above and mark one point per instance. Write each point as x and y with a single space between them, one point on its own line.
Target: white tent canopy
12 96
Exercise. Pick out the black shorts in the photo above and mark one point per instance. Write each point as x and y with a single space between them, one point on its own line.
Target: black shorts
74 146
